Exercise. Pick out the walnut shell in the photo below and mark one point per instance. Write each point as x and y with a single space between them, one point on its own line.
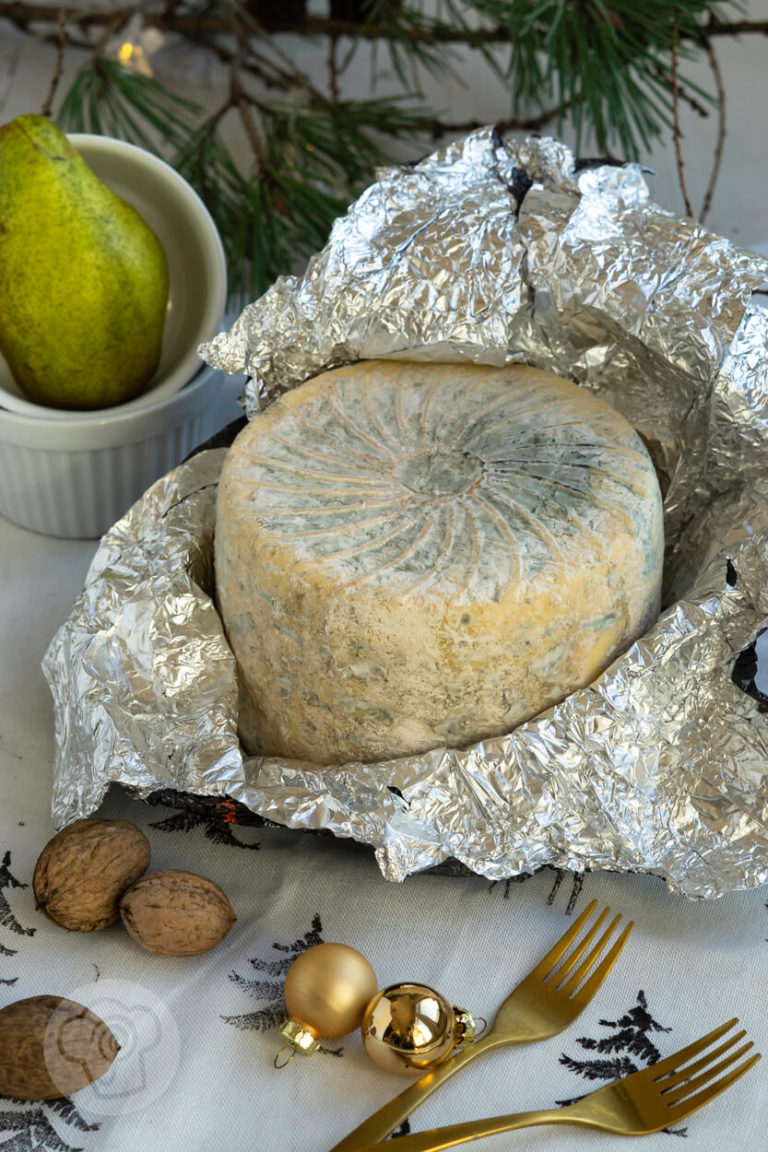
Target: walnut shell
176 913
82 872
51 1047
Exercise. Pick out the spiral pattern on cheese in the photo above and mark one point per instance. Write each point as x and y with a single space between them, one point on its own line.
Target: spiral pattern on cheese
411 555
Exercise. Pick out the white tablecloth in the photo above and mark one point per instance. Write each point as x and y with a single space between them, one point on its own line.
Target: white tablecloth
198 1035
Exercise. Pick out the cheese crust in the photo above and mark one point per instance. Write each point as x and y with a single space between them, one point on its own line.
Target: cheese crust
417 555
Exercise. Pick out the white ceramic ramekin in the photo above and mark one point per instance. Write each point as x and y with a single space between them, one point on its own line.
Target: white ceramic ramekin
75 478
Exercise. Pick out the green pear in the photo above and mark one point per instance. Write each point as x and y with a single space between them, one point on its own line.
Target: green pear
83 278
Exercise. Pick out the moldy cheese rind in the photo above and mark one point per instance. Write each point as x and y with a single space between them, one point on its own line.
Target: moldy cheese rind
417 555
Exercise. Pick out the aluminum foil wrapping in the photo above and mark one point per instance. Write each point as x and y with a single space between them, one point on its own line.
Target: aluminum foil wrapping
490 251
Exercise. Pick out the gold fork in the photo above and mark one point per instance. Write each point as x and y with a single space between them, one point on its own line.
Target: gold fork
543 1004
643 1102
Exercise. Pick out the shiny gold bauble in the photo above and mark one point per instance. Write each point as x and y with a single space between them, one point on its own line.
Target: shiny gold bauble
409 1028
326 991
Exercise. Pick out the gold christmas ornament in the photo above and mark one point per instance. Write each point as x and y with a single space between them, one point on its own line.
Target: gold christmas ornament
409 1028
326 991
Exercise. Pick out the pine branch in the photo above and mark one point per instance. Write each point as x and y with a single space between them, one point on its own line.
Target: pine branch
721 131
677 133
59 66
717 27
108 99
603 65
198 26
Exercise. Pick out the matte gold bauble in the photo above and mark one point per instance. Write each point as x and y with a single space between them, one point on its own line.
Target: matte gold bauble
409 1028
326 991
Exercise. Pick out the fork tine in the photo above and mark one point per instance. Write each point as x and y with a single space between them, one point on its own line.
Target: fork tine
673 1062
605 965
584 967
547 964
706 1077
667 1082
693 1103
576 953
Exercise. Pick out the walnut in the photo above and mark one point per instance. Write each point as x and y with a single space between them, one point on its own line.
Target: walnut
176 913
82 872
51 1047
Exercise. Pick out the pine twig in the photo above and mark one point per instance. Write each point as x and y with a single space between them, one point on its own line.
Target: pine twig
196 27
695 105
717 27
439 127
58 66
241 101
239 97
720 145
676 127
118 20
257 29
333 68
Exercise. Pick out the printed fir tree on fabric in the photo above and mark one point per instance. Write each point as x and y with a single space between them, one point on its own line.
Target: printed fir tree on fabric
26 1124
217 816
576 878
30 1130
7 919
626 1049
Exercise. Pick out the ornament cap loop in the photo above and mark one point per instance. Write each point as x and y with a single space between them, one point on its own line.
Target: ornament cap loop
290 1049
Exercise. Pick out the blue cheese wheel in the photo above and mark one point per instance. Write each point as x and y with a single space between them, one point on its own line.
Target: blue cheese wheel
417 555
